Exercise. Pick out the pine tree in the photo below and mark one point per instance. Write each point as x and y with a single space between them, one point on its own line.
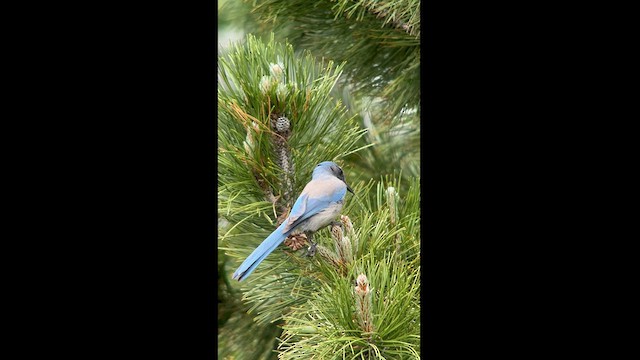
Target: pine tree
334 80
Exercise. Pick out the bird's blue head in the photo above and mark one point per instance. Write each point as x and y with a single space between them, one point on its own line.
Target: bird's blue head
331 168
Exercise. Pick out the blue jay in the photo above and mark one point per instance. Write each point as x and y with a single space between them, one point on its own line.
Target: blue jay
317 206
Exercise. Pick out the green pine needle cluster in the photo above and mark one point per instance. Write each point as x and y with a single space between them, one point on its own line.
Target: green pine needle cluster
328 326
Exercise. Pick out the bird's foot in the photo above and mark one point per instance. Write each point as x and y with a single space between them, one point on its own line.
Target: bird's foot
312 248
311 251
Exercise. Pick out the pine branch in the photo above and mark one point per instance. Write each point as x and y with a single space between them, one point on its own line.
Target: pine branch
404 14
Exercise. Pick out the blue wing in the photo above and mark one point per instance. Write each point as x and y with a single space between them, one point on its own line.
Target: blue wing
306 206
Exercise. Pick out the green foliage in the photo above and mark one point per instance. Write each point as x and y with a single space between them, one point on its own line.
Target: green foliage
377 231
234 321
326 327
235 15
379 40
396 141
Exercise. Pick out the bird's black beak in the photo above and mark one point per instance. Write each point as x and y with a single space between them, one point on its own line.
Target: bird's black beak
350 190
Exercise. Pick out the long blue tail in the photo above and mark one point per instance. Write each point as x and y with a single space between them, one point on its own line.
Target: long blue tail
260 253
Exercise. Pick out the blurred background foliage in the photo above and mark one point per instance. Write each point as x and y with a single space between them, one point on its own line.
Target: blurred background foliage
346 76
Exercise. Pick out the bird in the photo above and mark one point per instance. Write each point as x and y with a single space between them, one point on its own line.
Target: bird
318 205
